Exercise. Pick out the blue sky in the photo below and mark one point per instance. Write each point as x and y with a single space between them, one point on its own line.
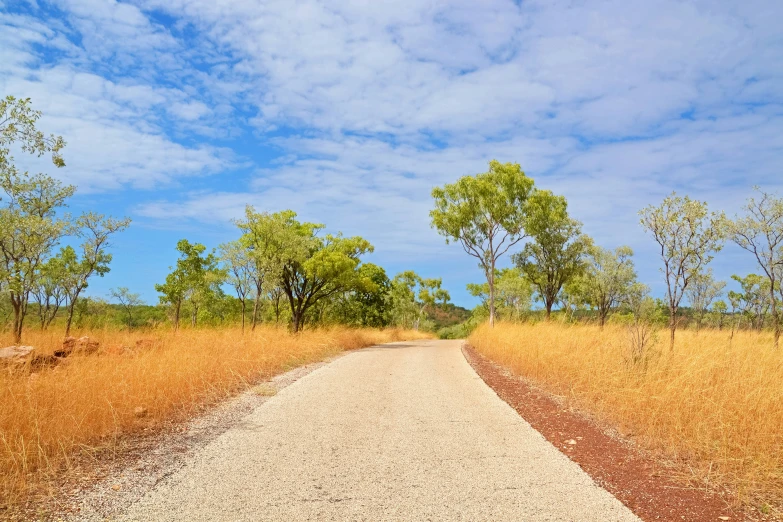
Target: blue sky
178 113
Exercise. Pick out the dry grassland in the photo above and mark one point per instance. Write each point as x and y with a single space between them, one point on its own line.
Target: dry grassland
140 380
714 406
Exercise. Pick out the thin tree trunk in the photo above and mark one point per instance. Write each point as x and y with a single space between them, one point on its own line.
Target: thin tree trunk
176 315
255 311
491 281
243 316
672 328
69 319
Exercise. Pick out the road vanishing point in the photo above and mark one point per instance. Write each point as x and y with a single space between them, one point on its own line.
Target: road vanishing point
403 431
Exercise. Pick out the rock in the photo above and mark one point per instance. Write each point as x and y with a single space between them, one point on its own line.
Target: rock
16 354
572 442
40 362
723 518
116 487
69 344
86 345
140 411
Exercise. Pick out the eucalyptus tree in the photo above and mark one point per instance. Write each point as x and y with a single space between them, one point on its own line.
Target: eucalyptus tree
95 230
239 268
687 235
753 301
701 293
315 267
607 278
48 289
127 300
421 293
29 225
195 280
485 213
555 254
513 293
760 232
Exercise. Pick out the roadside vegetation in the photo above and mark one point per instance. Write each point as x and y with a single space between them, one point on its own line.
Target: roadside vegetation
694 376
713 407
140 380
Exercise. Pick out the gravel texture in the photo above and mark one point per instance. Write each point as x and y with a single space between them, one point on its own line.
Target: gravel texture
405 431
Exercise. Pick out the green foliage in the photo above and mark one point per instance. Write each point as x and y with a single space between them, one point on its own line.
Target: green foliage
701 293
608 277
555 255
485 213
760 232
128 301
413 297
688 235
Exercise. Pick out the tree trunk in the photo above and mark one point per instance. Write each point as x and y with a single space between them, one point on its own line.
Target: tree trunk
19 313
672 328
491 281
176 315
69 319
775 317
243 316
602 318
296 320
255 311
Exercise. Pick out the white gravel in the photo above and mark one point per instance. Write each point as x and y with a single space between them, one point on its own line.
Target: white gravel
405 431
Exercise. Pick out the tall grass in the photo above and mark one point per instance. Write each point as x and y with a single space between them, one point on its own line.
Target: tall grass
88 402
712 404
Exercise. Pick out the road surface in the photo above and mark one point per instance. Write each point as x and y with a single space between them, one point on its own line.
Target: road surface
405 431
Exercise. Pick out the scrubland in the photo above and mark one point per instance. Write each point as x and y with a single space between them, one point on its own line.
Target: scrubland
713 405
140 380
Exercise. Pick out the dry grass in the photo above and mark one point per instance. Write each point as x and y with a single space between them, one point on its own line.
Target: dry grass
715 407
88 402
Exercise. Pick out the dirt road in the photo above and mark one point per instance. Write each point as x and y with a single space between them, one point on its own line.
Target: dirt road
398 432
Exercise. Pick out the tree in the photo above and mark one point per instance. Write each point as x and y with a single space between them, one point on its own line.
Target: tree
752 301
719 310
554 256
48 289
607 279
372 296
421 294
486 214
269 238
195 280
702 291
29 228
404 309
95 231
314 267
687 235
239 267
127 301
760 232
514 293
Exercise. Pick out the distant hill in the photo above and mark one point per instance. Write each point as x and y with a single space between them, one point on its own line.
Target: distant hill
448 315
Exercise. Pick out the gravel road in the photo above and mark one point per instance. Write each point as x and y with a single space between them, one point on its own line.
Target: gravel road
405 431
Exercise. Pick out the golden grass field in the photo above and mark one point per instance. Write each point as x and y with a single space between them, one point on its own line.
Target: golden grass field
88 402
713 405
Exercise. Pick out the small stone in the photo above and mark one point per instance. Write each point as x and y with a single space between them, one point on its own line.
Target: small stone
571 441
116 487
723 518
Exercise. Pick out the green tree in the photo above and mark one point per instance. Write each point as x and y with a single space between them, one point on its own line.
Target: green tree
127 301
372 296
29 227
315 267
719 311
270 238
95 231
486 214
513 294
555 254
752 301
48 289
607 278
239 266
701 293
687 234
760 232
194 280
404 309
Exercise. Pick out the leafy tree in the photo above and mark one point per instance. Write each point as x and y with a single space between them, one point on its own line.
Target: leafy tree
270 239
239 266
760 232
752 301
404 309
719 310
48 290
95 231
513 294
314 267
421 294
555 255
701 293
127 301
372 296
486 214
29 228
195 280
607 279
687 235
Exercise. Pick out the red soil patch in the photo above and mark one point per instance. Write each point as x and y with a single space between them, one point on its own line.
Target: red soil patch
645 485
